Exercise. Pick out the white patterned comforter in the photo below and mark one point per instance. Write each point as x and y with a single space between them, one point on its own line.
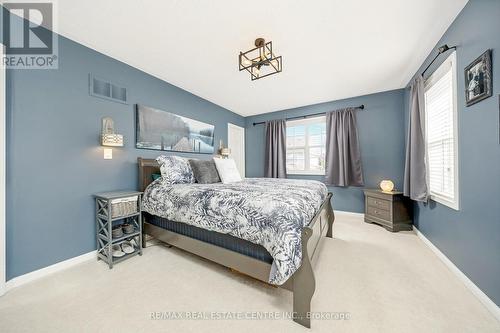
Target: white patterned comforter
266 211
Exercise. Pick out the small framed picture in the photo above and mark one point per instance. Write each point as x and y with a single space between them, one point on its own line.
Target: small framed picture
478 79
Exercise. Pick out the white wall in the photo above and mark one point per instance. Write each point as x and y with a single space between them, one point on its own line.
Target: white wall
2 176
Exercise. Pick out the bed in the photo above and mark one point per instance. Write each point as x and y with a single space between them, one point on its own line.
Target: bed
276 248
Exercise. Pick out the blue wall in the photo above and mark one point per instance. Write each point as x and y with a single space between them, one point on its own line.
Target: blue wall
54 161
381 134
470 237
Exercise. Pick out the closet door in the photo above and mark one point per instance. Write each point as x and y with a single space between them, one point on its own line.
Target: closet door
236 142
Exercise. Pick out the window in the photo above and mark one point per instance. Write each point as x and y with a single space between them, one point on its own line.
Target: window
441 133
305 146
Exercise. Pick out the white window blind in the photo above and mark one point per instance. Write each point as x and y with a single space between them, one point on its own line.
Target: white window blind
305 146
441 133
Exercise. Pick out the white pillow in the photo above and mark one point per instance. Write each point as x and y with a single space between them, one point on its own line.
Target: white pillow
227 170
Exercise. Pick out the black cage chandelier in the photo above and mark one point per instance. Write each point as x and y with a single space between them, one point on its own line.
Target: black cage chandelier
260 61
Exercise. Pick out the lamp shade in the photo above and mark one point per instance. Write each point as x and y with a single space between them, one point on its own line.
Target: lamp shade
225 151
387 185
112 140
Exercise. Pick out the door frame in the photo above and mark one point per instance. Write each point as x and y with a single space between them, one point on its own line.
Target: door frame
3 149
229 126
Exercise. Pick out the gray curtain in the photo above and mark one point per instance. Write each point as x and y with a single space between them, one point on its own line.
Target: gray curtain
415 182
275 160
343 157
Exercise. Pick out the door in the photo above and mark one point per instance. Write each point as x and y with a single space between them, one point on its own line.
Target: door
236 142
2 174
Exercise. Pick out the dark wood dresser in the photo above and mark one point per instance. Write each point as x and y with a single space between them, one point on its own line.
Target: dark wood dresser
391 210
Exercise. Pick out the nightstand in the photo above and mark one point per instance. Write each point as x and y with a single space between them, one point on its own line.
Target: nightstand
391 210
113 209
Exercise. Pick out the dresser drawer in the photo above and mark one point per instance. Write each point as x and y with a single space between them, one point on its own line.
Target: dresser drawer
378 203
378 212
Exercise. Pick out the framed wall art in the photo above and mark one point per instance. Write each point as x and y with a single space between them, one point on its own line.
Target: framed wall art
478 79
161 130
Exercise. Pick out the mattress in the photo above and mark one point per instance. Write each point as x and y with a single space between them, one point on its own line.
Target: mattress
268 212
212 237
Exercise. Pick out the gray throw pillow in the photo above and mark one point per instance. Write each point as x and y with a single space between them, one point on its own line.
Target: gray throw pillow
204 171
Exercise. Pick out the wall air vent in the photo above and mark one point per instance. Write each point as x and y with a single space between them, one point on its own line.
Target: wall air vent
103 88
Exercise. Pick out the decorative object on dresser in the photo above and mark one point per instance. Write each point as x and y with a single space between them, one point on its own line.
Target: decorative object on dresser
478 79
387 185
161 130
391 210
118 225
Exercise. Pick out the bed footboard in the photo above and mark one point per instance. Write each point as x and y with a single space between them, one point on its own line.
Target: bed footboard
303 283
330 217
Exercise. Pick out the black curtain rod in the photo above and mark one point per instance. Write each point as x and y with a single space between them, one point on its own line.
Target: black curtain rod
361 107
441 50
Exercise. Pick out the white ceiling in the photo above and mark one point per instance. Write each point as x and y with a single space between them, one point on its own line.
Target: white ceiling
332 49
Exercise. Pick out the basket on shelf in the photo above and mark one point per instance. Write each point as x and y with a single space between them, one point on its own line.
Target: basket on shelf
124 206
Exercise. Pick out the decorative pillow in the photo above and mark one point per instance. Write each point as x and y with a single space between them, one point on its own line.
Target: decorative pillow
228 172
204 171
175 170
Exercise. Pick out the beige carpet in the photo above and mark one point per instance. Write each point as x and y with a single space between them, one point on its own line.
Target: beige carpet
387 282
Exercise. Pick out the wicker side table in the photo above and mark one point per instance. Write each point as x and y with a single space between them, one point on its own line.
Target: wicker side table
111 208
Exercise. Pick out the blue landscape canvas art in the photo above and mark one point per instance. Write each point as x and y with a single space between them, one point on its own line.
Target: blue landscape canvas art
161 130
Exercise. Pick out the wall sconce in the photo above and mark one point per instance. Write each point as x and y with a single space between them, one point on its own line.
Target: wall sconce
224 152
109 138
386 185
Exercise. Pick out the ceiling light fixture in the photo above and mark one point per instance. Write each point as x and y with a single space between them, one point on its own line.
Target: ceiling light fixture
260 61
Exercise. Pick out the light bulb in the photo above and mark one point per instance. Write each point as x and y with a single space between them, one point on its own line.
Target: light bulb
275 63
246 62
256 71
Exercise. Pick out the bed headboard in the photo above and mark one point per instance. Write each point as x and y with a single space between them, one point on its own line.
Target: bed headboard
147 167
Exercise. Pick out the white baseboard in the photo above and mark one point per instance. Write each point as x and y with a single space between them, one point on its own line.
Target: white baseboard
35 275
345 213
481 296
